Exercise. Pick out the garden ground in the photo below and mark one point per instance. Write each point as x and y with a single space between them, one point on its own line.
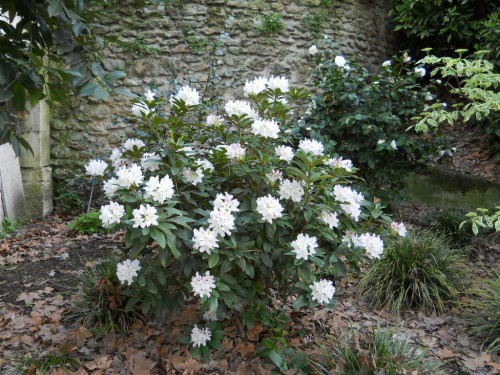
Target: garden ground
40 264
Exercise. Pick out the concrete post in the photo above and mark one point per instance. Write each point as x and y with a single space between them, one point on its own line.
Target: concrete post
35 168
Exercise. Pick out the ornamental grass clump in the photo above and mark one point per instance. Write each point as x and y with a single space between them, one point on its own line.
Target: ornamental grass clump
421 271
485 315
376 352
233 208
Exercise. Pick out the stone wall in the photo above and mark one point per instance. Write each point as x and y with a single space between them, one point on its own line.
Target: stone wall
179 43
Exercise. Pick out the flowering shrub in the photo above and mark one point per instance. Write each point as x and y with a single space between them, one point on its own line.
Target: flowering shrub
365 117
229 209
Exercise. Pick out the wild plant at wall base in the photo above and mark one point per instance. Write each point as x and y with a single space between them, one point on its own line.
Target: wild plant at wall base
364 117
229 209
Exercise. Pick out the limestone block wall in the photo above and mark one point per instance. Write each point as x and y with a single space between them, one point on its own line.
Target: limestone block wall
191 41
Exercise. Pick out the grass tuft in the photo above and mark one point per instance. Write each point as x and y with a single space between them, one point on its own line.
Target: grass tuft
100 302
88 223
378 352
421 271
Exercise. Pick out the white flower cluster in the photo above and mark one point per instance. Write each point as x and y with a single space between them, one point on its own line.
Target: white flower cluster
226 202
304 246
386 63
205 165
269 207
96 167
149 161
203 285
274 176
322 291
256 86
329 219
192 176
399 228
128 176
372 243
159 190
313 50
352 200
205 240
110 187
340 163
290 189
420 71
266 128
187 94
131 142
280 83
200 337
145 216
117 160
139 108
127 270
341 62
214 120
234 151
221 222
240 108
311 146
284 153
111 213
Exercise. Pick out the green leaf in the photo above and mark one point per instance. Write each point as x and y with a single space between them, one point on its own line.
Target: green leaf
213 260
5 95
278 360
159 237
55 7
87 89
100 93
113 76
19 96
173 248
300 301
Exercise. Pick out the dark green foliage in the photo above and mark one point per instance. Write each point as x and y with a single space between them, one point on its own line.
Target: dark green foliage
88 223
316 20
358 115
100 303
380 352
420 272
448 222
9 225
272 24
446 25
69 202
485 317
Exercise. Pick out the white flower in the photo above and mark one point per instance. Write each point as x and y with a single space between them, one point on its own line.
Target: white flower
340 163
127 270
284 153
346 194
148 161
111 213
269 207
311 146
159 190
96 167
145 216
204 240
304 246
117 160
129 176
387 63
428 97
340 61
400 228
290 189
139 108
351 237
214 120
322 291
380 141
221 222
329 219
234 151
274 176
188 95
313 50
406 58
279 83
200 337
256 86
192 176
149 95
110 187
205 164
131 142
266 128
420 71
240 108
372 243
210 316
203 285
226 202
352 209
394 145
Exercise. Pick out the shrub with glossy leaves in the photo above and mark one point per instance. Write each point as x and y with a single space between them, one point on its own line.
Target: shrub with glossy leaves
228 209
